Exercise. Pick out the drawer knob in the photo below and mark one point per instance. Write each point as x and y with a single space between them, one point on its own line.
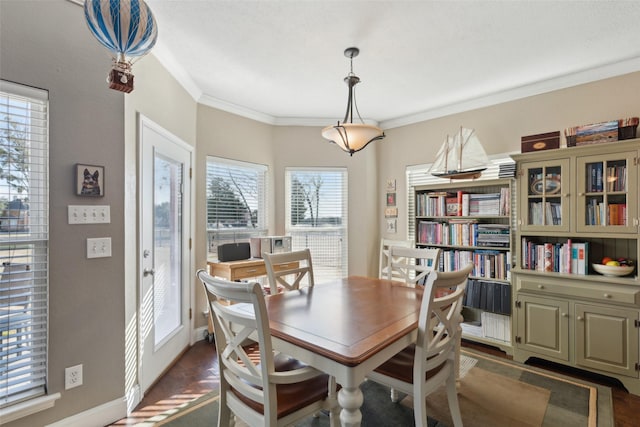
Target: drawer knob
579 318
607 296
540 286
565 315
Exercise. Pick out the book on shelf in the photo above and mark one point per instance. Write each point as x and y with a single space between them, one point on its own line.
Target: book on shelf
465 204
488 295
496 326
568 257
452 206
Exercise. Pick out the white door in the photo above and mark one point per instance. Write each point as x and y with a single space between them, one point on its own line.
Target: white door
164 260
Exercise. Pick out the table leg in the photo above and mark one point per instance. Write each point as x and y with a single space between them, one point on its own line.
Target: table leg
350 399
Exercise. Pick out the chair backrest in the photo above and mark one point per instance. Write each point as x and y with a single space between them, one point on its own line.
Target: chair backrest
251 376
238 312
385 244
439 322
411 265
289 270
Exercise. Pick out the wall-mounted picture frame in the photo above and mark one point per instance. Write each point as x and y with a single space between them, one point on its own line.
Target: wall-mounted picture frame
391 212
391 184
391 199
89 180
392 225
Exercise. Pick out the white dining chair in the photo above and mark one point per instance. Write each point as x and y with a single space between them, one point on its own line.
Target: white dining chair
287 278
411 265
385 244
257 385
421 368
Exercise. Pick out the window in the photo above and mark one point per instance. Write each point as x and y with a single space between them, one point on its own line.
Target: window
236 201
24 204
316 218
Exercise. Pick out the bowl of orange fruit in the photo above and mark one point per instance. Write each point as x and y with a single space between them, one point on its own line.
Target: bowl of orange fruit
614 267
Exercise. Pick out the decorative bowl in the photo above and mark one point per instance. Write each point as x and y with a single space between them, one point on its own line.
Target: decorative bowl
613 270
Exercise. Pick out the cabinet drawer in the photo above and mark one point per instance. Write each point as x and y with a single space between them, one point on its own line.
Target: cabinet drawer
249 271
574 288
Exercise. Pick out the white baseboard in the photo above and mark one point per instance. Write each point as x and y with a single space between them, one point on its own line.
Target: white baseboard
198 334
98 416
117 409
134 397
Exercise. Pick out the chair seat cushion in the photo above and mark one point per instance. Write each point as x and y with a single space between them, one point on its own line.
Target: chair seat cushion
292 397
400 366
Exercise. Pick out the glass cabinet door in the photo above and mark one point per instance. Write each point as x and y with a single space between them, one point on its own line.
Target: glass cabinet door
606 201
546 205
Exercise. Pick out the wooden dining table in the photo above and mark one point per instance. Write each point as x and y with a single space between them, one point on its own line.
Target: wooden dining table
345 328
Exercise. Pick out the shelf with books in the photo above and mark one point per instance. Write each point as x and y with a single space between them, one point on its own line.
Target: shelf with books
471 221
564 310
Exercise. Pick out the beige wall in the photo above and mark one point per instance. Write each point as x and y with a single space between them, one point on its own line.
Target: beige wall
232 137
297 146
46 44
159 98
86 302
500 128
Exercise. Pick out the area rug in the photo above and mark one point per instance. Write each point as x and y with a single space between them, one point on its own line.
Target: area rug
493 392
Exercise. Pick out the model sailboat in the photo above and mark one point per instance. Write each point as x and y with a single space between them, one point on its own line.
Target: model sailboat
460 157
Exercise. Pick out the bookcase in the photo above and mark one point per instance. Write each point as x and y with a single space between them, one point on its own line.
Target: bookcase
576 206
470 221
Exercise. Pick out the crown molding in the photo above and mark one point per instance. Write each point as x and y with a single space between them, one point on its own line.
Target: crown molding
544 86
590 75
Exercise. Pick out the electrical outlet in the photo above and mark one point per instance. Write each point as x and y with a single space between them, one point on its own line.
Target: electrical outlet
72 377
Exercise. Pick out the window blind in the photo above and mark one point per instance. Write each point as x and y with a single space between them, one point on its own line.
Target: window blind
317 217
236 201
24 204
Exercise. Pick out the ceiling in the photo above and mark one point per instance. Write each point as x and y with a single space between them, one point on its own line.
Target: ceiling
282 62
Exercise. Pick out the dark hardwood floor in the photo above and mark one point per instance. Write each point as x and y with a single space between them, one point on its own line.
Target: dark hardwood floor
196 373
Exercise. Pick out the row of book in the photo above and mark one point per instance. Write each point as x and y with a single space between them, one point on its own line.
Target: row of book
569 257
488 264
488 296
545 213
496 326
599 213
457 232
491 325
460 203
615 178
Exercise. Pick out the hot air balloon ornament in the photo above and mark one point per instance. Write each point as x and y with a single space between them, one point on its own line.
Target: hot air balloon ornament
125 27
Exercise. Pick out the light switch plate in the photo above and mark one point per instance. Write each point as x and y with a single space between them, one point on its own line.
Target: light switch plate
99 247
89 214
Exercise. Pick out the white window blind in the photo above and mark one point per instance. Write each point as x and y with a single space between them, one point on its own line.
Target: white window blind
236 201
317 218
24 204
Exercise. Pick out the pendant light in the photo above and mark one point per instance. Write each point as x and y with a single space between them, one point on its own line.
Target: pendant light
349 136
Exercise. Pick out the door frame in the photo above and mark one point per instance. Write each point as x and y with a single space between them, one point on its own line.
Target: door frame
142 122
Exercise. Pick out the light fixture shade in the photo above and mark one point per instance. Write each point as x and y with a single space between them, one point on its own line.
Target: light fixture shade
349 136
352 137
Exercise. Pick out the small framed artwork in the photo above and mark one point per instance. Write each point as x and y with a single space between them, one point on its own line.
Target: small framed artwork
89 180
391 185
391 199
391 212
392 225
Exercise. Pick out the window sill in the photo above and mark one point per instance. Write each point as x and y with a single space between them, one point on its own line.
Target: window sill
23 409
